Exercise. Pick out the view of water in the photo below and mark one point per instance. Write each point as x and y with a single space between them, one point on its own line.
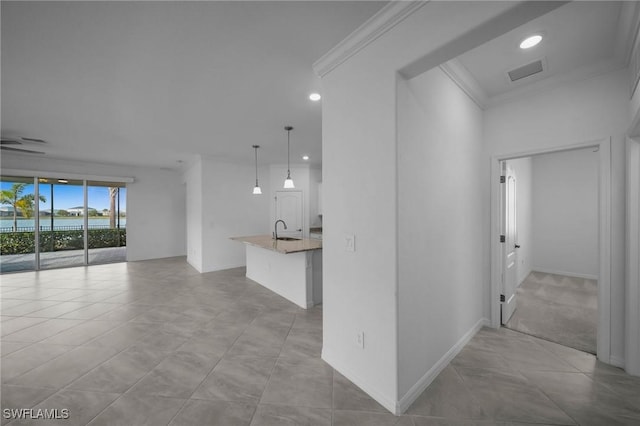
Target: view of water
6 223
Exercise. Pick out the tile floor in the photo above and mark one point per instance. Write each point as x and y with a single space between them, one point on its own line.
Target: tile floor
156 343
558 308
61 259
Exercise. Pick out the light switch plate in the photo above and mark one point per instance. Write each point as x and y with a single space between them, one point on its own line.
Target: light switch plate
350 243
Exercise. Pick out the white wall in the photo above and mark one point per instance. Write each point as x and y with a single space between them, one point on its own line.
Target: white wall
565 213
155 215
442 212
155 202
230 209
224 207
575 113
522 169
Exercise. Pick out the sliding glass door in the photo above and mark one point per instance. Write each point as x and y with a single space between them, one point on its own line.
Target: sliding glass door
107 222
51 222
61 227
17 224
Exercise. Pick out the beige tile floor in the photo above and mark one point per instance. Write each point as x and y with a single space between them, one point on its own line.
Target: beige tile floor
156 343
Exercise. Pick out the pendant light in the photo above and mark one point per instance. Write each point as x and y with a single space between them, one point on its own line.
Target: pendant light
288 183
256 189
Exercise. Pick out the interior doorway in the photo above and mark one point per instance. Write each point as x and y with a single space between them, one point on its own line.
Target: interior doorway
551 247
559 248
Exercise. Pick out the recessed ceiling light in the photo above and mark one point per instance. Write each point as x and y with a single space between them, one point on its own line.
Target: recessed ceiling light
529 42
63 181
315 97
305 157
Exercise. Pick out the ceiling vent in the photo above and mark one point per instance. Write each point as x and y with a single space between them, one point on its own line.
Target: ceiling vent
526 71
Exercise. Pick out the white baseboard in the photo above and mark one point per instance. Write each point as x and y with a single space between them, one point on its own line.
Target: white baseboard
616 361
369 389
399 407
417 389
565 273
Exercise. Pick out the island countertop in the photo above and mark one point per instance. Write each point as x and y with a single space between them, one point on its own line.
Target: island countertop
281 246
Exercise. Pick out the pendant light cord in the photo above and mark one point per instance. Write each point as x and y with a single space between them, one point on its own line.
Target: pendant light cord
288 153
256 151
288 183
255 148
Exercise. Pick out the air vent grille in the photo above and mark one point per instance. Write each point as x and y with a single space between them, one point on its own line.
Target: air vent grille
526 71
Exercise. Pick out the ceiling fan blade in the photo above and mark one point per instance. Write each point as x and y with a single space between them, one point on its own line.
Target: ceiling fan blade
9 142
28 151
33 140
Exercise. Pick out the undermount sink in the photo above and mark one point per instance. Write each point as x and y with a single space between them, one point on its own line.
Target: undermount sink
287 239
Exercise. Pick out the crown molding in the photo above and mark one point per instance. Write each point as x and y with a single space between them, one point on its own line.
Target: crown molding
628 28
466 82
387 18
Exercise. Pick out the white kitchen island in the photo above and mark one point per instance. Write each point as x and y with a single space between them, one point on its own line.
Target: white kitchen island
290 268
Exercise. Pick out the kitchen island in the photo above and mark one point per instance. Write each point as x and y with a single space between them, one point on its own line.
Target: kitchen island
291 268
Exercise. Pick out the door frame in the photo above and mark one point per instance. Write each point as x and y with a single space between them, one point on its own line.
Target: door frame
603 346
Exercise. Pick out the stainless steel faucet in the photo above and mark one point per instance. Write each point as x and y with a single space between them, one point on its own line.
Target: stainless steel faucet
275 228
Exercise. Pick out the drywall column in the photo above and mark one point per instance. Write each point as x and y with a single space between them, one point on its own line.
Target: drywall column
632 294
360 176
442 212
359 287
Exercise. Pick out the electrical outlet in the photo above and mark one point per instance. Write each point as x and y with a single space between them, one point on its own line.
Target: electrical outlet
360 339
350 243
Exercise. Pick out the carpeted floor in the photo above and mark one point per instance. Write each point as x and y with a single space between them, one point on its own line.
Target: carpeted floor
558 308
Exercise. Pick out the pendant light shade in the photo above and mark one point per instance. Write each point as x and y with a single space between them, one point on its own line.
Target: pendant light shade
288 182
256 189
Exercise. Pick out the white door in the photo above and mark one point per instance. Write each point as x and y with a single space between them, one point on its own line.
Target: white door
289 209
510 256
